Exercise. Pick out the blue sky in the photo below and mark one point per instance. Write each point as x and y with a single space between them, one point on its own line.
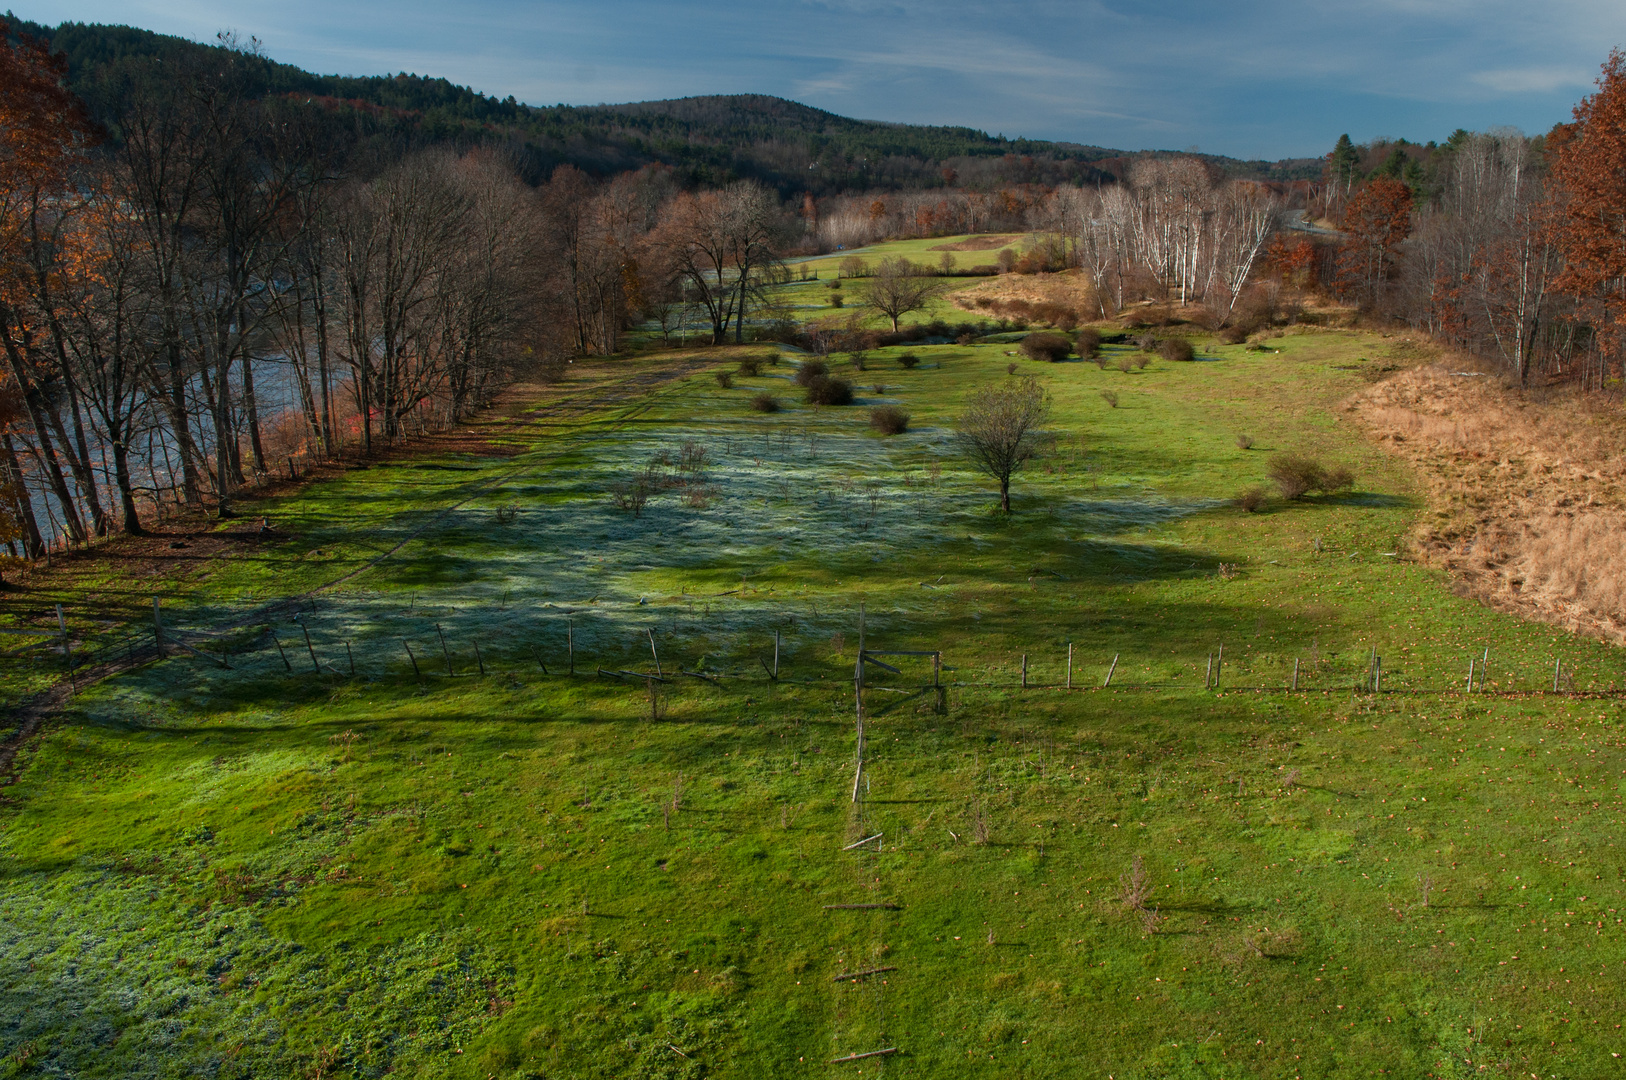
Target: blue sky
1252 79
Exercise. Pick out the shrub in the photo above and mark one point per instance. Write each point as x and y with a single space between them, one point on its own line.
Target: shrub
1244 442
1088 343
1145 342
772 356
1142 359
908 361
1176 349
765 402
750 366
1252 500
879 388
1125 363
1110 398
965 339
1051 347
811 371
1296 476
889 420
827 391
725 379
835 299
835 283
1010 369
860 360
1233 335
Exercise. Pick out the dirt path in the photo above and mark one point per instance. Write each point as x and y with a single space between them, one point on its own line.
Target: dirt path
515 415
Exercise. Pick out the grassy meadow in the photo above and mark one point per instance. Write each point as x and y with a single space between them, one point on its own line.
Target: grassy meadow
283 869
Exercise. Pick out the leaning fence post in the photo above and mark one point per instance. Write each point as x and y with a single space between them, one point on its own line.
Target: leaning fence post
1470 674
478 659
157 628
415 672
655 654
310 649
278 642
1295 673
1208 676
1558 665
1377 675
1069 665
1024 671
352 657
1110 670
444 651
1219 665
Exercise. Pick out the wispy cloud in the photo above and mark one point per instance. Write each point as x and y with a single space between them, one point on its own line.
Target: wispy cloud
1262 78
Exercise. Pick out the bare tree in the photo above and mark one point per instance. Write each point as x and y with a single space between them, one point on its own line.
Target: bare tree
898 287
1000 430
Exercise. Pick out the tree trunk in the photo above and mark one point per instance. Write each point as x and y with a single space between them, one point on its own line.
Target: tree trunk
33 543
121 475
1005 494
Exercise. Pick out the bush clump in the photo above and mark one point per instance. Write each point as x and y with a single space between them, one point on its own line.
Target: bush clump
908 361
1252 500
889 420
1176 350
1089 343
1051 347
750 366
1110 398
811 371
772 356
1296 476
828 391
725 379
765 402
1233 335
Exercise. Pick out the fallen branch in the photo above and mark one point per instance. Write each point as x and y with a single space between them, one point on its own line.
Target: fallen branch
860 974
865 840
862 907
861 1057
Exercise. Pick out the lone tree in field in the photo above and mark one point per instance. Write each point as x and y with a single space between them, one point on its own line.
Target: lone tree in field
999 430
899 287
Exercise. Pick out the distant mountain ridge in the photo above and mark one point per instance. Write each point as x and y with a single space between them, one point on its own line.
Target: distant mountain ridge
708 139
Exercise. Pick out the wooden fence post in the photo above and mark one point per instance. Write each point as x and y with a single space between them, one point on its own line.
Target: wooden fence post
1024 671
1558 665
157 628
478 659
278 642
444 651
1219 665
655 654
1069 665
309 648
415 672
1110 670
776 656
352 658
67 646
1295 673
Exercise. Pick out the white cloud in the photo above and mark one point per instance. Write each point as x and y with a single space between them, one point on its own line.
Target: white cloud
1537 80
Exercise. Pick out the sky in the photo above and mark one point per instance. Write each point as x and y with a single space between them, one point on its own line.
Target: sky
1262 79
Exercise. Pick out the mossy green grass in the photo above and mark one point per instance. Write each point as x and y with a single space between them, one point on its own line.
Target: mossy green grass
270 872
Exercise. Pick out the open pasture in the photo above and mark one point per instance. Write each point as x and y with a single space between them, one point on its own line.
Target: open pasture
284 869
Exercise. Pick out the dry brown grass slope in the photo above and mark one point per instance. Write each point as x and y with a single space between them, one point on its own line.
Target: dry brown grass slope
1527 490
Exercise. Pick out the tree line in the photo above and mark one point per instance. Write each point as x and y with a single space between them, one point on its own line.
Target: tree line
209 282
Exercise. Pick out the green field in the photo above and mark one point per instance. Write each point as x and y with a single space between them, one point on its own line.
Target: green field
265 872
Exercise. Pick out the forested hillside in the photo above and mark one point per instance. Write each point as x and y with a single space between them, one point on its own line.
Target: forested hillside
709 140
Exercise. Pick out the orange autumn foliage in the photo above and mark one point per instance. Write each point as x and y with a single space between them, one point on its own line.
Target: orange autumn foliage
1587 200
